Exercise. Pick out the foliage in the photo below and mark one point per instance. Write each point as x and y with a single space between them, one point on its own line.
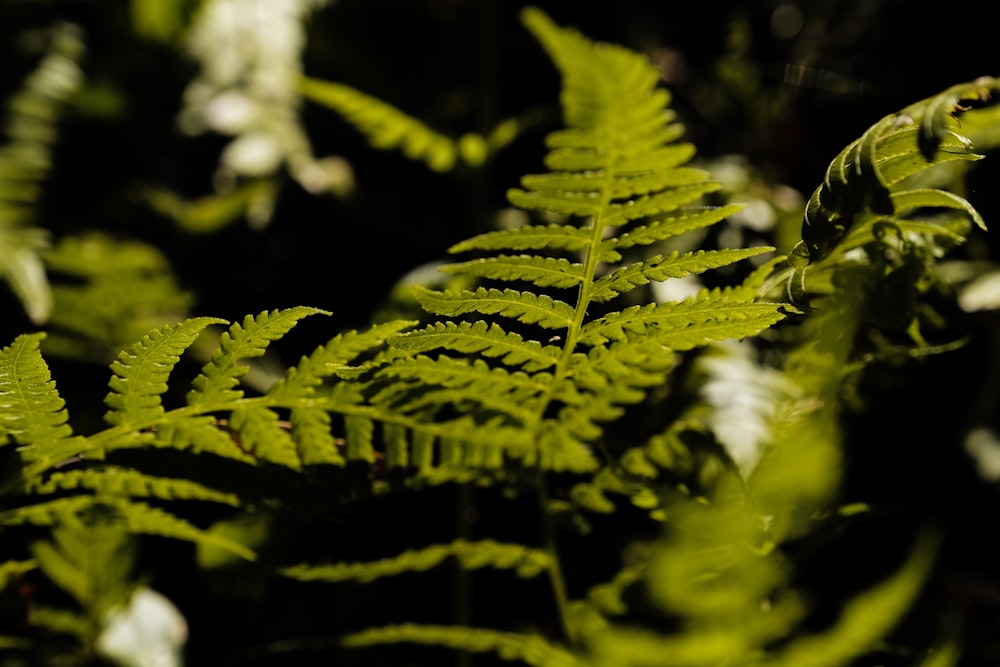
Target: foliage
700 444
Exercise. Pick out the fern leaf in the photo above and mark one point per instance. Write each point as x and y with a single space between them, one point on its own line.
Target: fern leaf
344 349
262 434
622 185
141 372
675 265
385 126
911 200
664 229
488 340
48 513
219 377
25 162
531 649
542 271
311 430
525 561
90 561
684 325
31 410
131 483
360 437
474 376
866 175
529 237
198 435
525 307
144 519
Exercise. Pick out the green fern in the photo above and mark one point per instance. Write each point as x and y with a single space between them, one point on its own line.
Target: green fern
616 167
389 128
25 162
106 294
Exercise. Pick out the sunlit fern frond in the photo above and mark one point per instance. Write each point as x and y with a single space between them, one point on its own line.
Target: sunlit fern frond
544 352
32 414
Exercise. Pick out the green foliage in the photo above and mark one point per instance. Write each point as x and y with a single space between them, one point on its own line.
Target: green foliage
548 371
25 161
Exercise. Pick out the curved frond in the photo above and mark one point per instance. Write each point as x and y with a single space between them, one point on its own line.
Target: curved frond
141 372
31 411
385 126
868 180
219 378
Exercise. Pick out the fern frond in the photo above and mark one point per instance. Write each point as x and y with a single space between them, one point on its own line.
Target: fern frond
479 382
525 561
141 372
327 360
31 410
529 237
663 229
140 518
199 434
616 170
868 180
90 561
684 325
131 483
531 649
489 340
542 271
219 377
111 293
675 265
525 307
134 517
385 126
25 163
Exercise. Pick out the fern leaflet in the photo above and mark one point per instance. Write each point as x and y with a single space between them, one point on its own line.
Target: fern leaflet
218 378
31 410
141 373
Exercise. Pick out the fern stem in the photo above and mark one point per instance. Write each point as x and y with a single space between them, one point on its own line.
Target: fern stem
555 568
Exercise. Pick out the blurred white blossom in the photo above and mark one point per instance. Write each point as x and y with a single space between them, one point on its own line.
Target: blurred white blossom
250 52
